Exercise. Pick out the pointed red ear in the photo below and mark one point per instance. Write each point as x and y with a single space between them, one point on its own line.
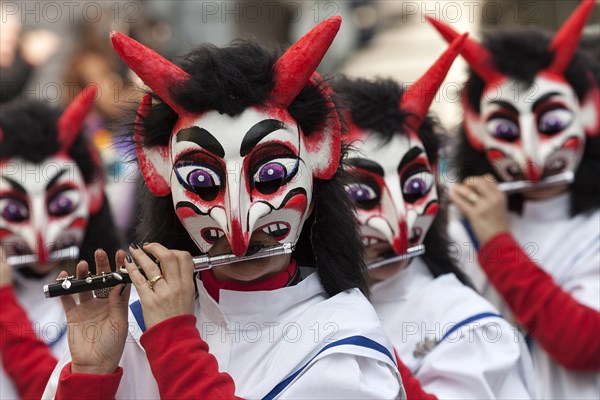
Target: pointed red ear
566 41
325 146
295 67
473 125
478 57
70 122
153 161
418 98
161 76
590 108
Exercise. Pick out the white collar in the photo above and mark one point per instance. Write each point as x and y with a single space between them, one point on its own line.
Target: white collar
403 284
264 304
555 208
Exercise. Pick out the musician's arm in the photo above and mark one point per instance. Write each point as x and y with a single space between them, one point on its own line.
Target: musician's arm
87 386
26 359
183 367
412 386
565 328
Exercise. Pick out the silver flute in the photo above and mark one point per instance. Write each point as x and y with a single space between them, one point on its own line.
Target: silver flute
22 260
412 252
523 186
72 285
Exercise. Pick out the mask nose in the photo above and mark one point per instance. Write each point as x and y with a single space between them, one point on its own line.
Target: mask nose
394 212
533 165
237 203
40 226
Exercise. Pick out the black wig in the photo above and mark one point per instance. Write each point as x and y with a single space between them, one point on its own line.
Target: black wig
229 80
521 55
374 107
30 133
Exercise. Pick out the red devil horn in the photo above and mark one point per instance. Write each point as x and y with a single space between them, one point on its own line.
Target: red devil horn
418 98
295 67
566 41
478 57
159 74
70 122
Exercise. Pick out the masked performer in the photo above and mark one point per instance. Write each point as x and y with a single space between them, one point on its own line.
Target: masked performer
532 110
440 327
52 208
241 151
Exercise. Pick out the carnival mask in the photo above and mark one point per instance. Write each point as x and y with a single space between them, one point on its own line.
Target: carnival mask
45 207
393 190
235 175
531 133
393 184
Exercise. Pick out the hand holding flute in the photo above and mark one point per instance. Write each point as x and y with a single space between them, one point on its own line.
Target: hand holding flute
70 285
97 327
171 295
484 205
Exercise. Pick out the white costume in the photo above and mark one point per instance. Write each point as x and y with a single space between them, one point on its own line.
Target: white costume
452 340
48 319
261 338
567 248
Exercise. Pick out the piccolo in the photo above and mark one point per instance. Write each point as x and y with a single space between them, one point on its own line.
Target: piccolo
523 186
72 285
22 260
412 252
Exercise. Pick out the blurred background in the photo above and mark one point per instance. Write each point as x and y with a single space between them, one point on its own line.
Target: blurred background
49 50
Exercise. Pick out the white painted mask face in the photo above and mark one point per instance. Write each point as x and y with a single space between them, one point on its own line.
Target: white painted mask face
393 189
43 207
531 133
234 176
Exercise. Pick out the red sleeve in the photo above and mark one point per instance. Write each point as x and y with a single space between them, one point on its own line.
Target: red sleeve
87 386
565 328
412 386
181 363
26 359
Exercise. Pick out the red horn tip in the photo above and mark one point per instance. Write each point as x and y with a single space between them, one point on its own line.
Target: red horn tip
154 70
566 41
477 56
295 67
70 122
418 98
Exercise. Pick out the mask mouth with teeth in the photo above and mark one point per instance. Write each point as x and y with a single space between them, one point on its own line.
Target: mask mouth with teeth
393 173
531 103
51 190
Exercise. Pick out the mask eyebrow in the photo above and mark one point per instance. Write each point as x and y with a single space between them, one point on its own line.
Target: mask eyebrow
367 165
202 138
55 178
409 157
15 184
542 99
505 104
258 132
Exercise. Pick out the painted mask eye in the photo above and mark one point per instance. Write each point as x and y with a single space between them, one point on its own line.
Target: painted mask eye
555 121
63 202
364 192
13 210
200 179
271 175
417 185
503 129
